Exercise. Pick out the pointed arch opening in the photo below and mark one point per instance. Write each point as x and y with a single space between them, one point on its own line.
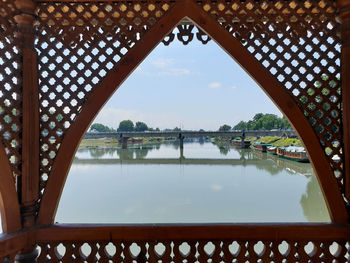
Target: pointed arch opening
235 50
148 183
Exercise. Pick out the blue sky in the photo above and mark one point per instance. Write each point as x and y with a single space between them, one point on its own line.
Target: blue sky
192 87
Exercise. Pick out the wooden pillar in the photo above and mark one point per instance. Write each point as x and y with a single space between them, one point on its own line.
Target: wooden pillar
344 18
28 186
29 183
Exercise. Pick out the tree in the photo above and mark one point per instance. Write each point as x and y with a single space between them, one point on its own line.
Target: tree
141 126
126 126
176 129
262 121
225 127
100 128
242 125
257 117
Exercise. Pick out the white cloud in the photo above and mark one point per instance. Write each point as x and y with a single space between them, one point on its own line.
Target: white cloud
214 85
174 72
162 62
216 187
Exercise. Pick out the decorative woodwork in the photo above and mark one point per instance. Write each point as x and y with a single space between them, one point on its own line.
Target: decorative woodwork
60 61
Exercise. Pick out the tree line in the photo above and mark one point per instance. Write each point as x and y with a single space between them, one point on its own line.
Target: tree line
124 126
260 121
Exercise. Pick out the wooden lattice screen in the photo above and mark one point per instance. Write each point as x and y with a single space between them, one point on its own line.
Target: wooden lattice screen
60 61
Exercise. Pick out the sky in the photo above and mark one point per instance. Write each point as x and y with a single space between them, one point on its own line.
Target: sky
192 87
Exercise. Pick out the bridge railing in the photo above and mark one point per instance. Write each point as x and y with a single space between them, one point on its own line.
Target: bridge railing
178 134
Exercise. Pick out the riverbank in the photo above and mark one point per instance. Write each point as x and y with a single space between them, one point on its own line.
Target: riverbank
277 141
115 142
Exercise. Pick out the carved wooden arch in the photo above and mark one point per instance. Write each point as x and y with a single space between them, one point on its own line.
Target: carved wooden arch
126 65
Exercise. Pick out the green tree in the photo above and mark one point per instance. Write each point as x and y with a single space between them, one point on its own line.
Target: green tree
177 129
126 126
285 125
257 117
225 127
100 128
262 121
141 126
242 125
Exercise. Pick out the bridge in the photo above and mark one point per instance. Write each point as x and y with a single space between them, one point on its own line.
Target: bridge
124 136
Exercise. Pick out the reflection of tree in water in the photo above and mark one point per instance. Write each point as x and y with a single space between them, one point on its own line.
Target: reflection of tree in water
224 150
223 147
125 154
314 207
137 152
98 152
176 144
142 152
245 153
270 167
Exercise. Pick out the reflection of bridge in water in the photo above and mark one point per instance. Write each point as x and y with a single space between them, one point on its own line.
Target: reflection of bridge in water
184 161
247 157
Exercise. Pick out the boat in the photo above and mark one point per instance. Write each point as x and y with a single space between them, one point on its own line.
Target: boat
238 142
261 146
272 150
293 153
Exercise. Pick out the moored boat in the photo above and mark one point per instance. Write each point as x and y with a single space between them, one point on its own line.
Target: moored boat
238 142
293 153
261 146
272 150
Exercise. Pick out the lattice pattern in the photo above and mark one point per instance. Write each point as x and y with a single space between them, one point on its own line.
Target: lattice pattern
297 42
78 43
10 86
195 251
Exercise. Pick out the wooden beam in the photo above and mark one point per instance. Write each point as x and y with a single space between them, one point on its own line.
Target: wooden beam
96 100
283 101
173 232
344 18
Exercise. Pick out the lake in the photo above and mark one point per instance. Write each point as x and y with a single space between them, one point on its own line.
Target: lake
206 183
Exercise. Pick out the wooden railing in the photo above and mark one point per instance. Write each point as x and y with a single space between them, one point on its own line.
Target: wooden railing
184 243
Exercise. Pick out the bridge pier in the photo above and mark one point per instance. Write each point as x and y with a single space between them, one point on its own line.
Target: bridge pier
181 141
243 139
182 154
124 142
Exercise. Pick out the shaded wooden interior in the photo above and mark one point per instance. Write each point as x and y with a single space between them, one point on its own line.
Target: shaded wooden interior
60 61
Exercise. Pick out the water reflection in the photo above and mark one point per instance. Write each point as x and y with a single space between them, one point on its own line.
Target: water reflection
209 183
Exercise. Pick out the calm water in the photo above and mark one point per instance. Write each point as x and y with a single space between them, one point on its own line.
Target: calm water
207 183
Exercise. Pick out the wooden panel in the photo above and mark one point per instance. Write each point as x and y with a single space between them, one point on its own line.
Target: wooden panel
235 42
195 243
